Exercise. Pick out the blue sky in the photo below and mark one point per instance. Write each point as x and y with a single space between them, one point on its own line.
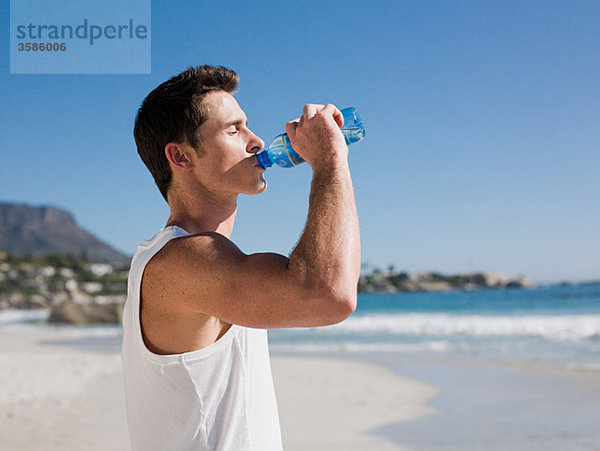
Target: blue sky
482 117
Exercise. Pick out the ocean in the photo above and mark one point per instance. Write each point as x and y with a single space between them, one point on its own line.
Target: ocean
559 325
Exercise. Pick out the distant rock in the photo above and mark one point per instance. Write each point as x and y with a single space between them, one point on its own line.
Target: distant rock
489 279
42 231
497 280
392 282
438 285
377 286
70 312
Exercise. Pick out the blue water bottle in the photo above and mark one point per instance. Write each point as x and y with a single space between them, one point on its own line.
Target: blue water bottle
280 150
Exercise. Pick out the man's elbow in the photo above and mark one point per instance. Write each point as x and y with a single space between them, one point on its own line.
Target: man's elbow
346 306
340 304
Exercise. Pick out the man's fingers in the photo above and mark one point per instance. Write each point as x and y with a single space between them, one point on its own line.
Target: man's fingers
290 127
337 115
310 110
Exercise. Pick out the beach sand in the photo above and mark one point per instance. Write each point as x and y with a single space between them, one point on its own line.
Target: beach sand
54 397
59 393
332 404
57 396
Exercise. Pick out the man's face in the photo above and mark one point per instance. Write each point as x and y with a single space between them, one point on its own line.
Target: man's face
226 162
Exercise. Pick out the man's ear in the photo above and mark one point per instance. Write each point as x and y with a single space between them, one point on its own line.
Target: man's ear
178 155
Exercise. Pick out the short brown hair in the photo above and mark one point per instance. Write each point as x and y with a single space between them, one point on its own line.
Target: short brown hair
173 112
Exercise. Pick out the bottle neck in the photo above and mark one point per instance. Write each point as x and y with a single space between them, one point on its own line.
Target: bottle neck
263 159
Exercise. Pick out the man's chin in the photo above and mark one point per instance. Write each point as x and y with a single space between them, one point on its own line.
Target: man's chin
258 189
263 187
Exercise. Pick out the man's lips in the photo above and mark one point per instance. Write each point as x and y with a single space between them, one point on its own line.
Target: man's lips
256 161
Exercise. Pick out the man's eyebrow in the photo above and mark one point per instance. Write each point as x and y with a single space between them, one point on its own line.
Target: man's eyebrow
237 122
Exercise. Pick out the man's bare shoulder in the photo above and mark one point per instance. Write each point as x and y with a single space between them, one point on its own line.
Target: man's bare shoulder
208 267
178 283
176 289
192 254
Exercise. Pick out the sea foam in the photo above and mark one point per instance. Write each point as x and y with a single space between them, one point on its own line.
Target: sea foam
574 328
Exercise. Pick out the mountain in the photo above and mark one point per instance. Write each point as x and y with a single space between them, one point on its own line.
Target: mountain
40 231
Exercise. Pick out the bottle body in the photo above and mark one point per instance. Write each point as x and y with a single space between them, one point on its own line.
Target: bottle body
281 153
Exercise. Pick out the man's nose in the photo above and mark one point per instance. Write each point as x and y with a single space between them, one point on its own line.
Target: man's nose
255 144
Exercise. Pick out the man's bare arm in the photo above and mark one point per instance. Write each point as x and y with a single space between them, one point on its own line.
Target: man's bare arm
328 253
208 274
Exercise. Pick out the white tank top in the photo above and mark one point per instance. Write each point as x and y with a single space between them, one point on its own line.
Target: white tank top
218 398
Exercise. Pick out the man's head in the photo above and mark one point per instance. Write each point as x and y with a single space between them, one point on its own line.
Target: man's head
173 113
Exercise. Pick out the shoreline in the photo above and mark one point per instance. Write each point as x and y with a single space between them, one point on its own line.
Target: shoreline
61 390
491 404
499 405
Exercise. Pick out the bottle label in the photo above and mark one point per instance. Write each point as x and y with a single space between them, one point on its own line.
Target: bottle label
287 151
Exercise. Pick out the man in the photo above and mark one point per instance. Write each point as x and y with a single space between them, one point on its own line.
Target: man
195 356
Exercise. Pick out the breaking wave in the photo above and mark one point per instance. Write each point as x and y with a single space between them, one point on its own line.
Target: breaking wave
573 328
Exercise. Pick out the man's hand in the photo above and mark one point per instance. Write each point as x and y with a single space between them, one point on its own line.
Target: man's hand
316 136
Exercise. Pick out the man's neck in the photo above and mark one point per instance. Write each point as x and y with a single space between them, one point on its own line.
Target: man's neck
203 214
